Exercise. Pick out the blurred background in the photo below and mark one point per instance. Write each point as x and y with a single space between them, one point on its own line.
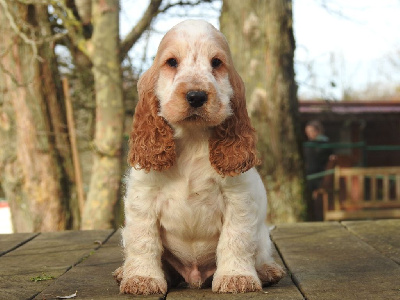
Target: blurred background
68 74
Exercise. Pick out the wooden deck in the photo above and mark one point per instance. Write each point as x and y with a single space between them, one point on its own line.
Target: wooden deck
348 260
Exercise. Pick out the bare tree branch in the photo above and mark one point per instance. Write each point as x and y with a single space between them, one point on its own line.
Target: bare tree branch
17 31
152 11
71 24
34 1
184 3
137 31
84 8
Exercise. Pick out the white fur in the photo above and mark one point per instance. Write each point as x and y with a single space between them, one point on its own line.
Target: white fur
193 49
192 211
189 210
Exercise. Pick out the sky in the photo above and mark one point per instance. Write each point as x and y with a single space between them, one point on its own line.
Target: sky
341 45
346 43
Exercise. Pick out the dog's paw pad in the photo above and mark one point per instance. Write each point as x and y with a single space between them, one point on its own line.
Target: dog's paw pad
140 285
270 273
236 284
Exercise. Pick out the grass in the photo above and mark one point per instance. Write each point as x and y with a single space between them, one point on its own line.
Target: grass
42 277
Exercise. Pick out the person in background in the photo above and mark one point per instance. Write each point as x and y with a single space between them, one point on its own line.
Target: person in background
315 155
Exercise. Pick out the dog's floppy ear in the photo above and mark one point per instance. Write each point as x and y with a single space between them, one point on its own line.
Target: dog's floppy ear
151 144
233 143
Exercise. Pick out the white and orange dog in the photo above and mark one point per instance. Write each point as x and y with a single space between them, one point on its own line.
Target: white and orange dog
195 205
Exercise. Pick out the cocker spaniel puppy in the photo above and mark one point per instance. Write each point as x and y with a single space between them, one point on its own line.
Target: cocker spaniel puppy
195 205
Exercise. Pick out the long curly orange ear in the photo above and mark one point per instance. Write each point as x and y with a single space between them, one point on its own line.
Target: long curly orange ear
151 144
233 143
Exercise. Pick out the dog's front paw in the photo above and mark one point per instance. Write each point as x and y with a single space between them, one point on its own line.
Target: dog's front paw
235 284
140 285
270 273
118 275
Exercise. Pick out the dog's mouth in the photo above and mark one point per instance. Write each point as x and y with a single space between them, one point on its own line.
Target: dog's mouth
194 118
208 115
201 118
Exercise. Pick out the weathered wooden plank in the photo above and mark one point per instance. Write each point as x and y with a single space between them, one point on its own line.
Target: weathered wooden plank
9 242
329 262
92 279
374 184
48 255
383 235
194 294
284 290
363 214
385 184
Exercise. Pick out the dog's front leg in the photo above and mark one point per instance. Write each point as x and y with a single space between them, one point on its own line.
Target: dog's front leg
141 272
236 271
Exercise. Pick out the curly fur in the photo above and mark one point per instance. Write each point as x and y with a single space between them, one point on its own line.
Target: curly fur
233 143
151 144
195 205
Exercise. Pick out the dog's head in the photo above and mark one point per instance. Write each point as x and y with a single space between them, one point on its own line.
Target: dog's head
192 82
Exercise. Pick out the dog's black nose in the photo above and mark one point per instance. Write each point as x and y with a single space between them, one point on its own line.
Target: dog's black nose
196 98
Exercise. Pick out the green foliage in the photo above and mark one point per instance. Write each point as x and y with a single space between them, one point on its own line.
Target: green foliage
42 277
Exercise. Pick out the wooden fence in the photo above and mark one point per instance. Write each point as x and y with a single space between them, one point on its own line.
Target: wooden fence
363 193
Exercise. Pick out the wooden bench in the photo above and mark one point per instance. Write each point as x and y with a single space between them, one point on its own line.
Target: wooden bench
363 193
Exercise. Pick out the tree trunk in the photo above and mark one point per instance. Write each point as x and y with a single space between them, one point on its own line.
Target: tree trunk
34 152
261 38
106 174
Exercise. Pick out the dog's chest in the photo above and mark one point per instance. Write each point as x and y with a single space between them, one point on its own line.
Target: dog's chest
191 209
191 206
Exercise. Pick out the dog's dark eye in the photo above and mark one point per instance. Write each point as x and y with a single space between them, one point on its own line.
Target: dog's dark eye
215 63
172 62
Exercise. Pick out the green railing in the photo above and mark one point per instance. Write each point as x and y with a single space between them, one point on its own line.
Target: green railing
351 146
334 145
320 174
